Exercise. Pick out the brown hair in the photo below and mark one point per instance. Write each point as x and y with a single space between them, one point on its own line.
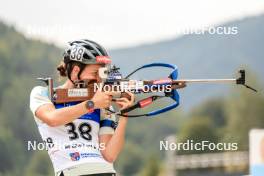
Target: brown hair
62 69
66 69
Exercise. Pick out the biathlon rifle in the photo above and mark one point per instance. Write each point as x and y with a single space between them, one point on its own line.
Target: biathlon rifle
113 80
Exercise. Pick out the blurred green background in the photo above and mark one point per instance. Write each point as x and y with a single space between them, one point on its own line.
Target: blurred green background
217 113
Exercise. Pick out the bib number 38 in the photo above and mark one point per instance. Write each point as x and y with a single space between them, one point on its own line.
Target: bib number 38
83 130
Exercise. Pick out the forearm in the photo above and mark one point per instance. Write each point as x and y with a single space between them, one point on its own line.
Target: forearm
116 143
56 117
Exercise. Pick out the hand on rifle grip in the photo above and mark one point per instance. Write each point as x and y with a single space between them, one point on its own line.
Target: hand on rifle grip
127 100
102 99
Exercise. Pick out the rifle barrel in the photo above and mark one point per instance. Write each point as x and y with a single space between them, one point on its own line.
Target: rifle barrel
204 80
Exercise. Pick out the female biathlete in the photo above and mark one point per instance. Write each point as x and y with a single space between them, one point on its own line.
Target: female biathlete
83 139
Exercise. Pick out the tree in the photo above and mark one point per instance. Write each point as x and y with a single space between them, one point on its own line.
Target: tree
12 155
213 108
39 165
152 167
197 129
130 160
244 112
